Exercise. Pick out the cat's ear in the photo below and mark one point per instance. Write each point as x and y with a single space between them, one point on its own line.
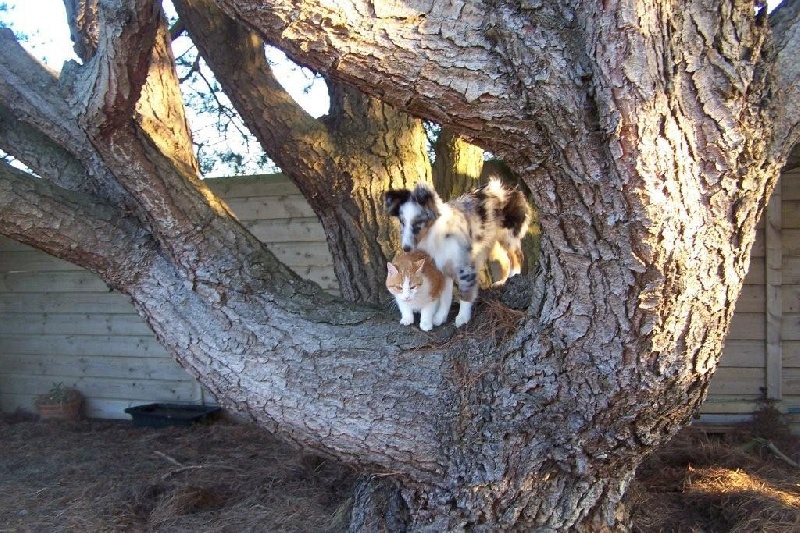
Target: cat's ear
393 199
392 270
419 264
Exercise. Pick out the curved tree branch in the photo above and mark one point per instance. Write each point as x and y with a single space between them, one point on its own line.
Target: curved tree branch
72 226
107 87
256 339
39 153
32 94
82 18
477 52
160 109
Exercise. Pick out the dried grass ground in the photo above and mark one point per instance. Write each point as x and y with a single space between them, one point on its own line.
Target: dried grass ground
109 476
99 475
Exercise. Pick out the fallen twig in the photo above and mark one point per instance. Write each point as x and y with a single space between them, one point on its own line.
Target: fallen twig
779 454
193 467
167 458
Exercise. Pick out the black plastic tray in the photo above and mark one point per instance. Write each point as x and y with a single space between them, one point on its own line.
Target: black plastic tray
160 415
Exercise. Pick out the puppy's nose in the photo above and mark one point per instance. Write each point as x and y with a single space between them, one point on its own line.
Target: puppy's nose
406 248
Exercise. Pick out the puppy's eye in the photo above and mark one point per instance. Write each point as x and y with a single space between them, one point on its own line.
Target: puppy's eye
416 228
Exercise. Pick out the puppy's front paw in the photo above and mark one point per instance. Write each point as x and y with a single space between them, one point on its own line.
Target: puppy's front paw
407 321
425 325
462 319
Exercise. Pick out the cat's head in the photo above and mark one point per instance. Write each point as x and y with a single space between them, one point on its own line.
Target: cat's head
405 278
417 210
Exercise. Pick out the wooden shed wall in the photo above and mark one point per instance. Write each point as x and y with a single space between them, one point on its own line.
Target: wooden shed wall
61 324
761 358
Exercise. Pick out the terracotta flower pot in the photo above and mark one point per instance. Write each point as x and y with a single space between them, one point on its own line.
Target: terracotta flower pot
60 404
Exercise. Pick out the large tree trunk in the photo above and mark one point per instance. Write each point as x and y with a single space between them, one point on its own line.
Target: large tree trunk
649 136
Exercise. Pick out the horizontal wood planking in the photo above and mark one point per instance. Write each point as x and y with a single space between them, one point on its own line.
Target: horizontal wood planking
271 208
298 230
66 302
730 404
303 254
791 214
747 326
737 381
98 366
791 355
790 240
252 186
790 186
791 383
756 274
791 298
743 353
791 270
32 260
72 324
143 347
59 322
791 327
72 281
751 299
114 388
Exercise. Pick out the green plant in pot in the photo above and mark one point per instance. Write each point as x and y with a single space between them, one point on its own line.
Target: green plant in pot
60 403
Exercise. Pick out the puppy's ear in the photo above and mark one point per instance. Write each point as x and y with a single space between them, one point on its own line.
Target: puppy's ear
425 196
393 199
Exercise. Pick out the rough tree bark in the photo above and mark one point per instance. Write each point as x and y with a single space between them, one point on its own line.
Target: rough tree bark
650 134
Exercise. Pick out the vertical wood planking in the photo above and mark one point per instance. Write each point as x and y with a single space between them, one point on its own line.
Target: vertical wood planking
774 295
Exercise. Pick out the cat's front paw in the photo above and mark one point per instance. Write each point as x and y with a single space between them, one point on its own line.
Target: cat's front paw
407 321
425 325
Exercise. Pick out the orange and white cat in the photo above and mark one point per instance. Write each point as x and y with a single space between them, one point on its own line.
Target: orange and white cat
417 286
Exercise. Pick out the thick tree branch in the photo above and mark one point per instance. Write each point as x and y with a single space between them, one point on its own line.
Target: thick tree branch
83 22
302 356
39 153
72 226
108 85
160 109
32 94
785 23
477 62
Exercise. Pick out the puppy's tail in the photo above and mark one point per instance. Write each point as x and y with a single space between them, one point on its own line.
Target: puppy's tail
516 214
